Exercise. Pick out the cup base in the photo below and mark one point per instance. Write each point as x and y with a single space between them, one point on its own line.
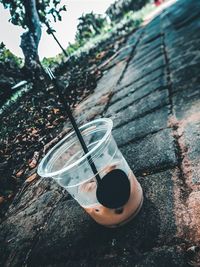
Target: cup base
113 218
128 219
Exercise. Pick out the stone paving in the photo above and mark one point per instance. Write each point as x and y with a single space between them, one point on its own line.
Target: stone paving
152 93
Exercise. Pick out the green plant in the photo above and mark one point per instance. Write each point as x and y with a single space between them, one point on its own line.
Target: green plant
89 25
30 14
6 57
120 7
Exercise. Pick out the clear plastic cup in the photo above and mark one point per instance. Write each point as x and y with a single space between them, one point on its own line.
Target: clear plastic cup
67 164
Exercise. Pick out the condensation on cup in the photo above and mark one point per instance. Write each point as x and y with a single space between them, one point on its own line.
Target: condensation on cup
68 166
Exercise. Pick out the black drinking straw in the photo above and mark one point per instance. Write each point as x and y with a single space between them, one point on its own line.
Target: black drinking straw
73 122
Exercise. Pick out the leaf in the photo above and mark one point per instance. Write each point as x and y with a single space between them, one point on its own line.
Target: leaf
10 195
50 31
19 173
33 162
64 8
50 126
105 98
100 55
56 110
2 199
34 131
31 178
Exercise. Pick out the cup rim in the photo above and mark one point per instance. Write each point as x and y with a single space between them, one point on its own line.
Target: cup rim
41 170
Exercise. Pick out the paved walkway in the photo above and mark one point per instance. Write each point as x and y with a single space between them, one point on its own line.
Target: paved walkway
151 90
